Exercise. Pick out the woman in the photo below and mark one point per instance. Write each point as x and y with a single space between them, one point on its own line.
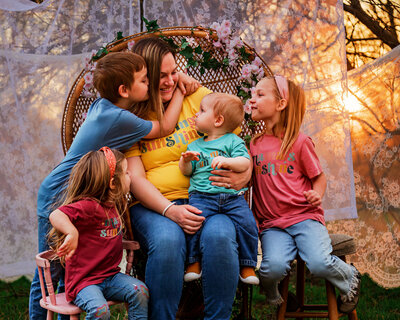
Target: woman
163 215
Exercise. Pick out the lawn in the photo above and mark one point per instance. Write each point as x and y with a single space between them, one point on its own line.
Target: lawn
375 302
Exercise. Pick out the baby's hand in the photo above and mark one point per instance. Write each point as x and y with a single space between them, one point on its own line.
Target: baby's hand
190 156
313 197
219 162
69 246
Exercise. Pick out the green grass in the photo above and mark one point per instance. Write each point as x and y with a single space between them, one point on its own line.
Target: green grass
375 302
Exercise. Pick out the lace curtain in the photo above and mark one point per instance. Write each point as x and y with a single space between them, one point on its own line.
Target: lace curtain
42 51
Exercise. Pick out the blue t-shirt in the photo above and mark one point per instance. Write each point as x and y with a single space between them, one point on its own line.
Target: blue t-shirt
229 146
105 125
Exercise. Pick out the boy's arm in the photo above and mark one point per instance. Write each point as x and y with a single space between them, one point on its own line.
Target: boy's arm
185 162
314 196
237 164
61 222
170 118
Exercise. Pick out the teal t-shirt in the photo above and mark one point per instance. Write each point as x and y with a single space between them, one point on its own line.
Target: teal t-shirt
229 145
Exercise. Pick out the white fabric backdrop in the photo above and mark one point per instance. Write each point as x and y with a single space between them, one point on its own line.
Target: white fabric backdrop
42 52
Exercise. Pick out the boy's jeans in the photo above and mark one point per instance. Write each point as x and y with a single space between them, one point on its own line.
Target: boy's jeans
309 239
237 209
119 287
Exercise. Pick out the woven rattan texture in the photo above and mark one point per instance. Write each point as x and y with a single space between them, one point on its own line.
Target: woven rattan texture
218 81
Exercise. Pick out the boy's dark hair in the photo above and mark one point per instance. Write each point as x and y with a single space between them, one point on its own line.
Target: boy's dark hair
115 69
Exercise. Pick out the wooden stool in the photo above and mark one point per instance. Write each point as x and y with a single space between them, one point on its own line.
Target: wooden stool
342 245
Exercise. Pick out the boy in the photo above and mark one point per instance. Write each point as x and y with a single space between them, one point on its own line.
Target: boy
220 114
121 80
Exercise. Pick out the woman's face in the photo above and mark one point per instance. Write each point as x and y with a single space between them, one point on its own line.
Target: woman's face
168 78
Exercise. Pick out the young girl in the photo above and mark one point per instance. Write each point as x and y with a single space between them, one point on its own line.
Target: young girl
87 232
288 187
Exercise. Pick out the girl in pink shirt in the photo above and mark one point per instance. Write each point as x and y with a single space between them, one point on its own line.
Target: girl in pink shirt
288 185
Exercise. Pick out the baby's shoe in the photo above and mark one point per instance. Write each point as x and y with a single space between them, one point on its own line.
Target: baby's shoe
248 275
348 302
193 272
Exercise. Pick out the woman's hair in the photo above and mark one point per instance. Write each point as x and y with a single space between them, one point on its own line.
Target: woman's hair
291 118
115 69
90 179
230 107
153 50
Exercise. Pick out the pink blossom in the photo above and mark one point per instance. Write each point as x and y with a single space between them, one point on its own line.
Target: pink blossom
217 44
226 24
225 32
88 78
247 107
214 25
191 41
131 44
257 62
236 42
232 55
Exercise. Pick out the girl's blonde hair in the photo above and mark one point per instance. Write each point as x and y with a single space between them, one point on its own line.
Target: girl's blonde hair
90 179
291 118
153 50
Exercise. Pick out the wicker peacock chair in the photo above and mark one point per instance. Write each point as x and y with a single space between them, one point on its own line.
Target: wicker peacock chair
226 80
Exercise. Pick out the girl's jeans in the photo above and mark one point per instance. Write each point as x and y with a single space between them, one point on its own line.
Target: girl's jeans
165 244
119 287
237 209
309 239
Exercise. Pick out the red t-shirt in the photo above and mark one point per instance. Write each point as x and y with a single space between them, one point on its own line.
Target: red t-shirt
278 199
99 250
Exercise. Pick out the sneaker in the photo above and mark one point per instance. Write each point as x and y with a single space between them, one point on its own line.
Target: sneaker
348 302
193 272
248 275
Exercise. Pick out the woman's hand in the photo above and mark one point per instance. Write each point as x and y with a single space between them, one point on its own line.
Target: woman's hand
186 216
229 179
187 84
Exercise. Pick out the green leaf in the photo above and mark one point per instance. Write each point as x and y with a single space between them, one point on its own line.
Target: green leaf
202 70
119 35
187 52
198 50
243 54
152 25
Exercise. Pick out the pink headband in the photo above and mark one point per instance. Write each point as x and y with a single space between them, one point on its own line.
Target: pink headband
110 157
283 87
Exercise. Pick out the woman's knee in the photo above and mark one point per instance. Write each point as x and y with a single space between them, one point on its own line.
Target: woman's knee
169 243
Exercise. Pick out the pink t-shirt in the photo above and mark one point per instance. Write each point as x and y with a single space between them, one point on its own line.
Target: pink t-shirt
99 250
278 199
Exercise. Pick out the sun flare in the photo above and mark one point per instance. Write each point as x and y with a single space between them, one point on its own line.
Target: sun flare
352 104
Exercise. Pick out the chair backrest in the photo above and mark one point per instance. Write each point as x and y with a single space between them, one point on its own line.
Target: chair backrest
220 81
43 262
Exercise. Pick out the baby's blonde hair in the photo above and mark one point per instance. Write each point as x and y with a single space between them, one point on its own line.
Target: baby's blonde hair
228 106
291 118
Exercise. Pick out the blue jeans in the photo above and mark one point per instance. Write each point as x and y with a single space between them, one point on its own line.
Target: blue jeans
237 209
165 244
119 287
309 239
36 312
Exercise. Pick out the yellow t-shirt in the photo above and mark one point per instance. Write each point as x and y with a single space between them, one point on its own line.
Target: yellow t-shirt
161 156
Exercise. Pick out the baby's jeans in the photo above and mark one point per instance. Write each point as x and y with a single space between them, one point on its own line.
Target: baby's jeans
309 239
237 209
119 287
